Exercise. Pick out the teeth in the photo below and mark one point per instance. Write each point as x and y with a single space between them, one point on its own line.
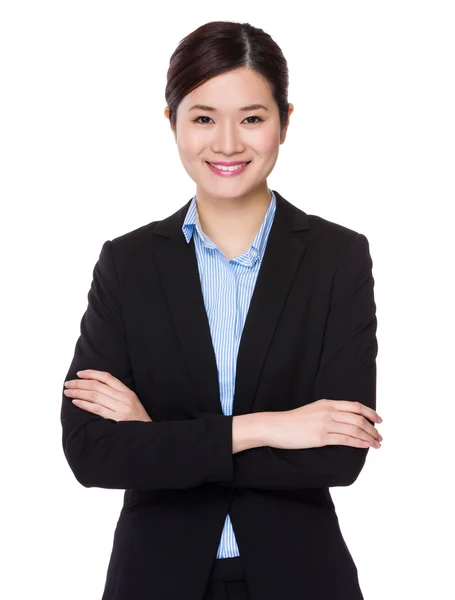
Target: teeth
234 168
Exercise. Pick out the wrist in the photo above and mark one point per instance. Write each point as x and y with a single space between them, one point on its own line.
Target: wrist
271 425
256 429
248 431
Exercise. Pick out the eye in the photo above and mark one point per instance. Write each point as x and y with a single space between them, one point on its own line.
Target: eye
197 120
259 119
204 123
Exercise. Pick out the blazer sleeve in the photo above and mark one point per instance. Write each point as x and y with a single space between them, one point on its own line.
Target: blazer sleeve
347 371
133 454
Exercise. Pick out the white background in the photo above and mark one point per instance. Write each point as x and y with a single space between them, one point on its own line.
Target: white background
87 155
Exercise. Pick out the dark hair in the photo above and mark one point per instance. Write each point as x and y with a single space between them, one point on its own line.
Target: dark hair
221 46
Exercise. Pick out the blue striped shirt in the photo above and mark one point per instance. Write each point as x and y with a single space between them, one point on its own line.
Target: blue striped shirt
227 288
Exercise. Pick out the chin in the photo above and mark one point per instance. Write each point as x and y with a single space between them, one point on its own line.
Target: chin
227 193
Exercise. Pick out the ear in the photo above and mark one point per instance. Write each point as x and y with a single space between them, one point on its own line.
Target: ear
285 128
167 114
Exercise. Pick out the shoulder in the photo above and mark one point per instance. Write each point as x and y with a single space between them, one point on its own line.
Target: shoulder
339 246
131 245
136 235
152 233
330 243
330 231
315 229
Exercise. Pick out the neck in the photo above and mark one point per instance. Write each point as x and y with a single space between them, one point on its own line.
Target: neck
235 220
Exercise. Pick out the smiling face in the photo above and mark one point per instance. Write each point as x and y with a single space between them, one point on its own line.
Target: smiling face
221 121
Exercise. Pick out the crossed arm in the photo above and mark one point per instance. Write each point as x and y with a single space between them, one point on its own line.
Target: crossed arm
133 452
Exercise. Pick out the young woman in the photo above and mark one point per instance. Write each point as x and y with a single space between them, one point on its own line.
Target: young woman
225 375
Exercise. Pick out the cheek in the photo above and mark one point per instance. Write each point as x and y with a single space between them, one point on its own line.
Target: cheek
269 146
189 155
268 142
188 143
186 147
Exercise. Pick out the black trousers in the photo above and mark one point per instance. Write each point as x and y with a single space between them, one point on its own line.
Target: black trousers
227 580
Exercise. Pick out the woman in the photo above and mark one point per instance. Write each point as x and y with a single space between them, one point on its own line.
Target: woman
225 375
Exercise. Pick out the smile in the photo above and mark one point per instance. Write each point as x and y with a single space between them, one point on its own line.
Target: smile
228 171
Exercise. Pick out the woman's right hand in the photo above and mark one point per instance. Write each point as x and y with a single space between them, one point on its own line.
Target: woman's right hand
323 423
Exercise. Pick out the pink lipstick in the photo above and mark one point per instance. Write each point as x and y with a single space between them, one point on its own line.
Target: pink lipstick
229 168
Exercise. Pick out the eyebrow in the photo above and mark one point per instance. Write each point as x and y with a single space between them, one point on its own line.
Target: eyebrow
243 108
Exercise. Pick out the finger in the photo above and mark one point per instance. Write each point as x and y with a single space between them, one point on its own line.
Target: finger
357 407
93 384
94 397
105 377
355 419
336 439
96 409
352 431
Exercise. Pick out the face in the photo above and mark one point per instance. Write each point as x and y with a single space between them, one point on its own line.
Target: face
222 131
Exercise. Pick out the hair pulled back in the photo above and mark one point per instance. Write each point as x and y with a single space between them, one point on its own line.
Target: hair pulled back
220 46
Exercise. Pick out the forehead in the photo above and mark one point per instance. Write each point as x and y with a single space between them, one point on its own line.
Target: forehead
233 89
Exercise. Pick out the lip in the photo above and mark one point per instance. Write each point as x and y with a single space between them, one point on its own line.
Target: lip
228 164
221 173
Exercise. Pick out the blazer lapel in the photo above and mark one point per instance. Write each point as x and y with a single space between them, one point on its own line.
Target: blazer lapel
177 265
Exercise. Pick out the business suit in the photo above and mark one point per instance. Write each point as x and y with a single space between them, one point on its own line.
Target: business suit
310 333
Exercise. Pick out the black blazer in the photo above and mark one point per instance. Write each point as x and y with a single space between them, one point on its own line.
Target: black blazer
310 333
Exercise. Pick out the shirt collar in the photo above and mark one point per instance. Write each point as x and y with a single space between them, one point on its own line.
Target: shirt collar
257 248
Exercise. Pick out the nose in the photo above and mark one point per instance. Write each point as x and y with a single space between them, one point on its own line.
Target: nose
227 139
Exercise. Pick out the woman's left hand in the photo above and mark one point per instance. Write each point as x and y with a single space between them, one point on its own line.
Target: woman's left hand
103 394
